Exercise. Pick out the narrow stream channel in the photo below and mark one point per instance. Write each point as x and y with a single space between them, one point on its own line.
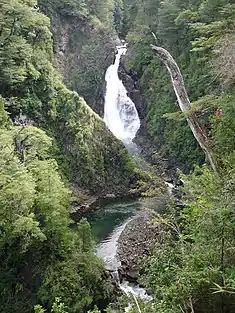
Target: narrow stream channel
107 224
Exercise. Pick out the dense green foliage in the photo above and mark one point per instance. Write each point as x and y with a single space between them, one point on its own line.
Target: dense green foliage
84 41
41 258
199 35
193 270
33 94
49 137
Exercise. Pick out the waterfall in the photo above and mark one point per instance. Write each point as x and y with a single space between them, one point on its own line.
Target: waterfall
120 114
121 117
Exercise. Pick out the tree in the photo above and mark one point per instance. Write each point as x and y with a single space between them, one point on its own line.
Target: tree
193 269
57 307
184 103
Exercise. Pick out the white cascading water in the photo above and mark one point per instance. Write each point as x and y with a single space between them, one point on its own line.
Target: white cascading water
120 114
107 250
121 117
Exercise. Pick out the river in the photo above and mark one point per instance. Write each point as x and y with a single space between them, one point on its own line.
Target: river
121 117
107 223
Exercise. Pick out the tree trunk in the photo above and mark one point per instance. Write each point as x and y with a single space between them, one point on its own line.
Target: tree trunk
184 103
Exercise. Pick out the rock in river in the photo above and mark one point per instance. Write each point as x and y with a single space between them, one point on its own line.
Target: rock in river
135 242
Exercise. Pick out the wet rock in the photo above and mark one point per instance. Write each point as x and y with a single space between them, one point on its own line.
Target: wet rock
77 210
118 42
114 275
136 242
130 81
114 294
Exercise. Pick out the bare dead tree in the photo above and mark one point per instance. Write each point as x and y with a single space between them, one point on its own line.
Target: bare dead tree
184 103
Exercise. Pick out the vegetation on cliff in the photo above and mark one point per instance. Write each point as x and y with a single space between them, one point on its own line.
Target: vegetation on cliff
33 94
49 138
193 269
84 44
41 257
199 35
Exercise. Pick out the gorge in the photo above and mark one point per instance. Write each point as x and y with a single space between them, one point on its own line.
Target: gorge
67 125
121 117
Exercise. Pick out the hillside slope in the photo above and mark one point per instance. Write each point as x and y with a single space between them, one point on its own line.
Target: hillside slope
33 94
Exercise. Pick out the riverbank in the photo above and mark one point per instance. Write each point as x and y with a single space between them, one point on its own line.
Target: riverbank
107 225
136 242
96 203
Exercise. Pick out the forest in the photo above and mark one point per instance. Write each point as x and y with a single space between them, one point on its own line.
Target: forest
56 152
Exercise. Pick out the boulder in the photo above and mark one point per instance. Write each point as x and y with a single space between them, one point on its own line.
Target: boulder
136 242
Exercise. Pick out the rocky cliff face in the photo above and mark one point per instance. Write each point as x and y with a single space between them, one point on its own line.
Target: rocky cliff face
130 80
149 149
86 151
83 50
